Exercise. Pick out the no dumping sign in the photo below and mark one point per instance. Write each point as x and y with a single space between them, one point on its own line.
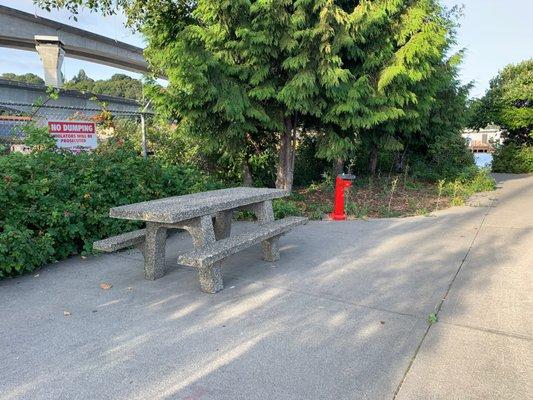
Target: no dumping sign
73 135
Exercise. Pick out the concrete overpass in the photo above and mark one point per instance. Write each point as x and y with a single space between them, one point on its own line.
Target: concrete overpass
54 40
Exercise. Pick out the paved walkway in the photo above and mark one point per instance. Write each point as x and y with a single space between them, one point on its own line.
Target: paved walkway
342 315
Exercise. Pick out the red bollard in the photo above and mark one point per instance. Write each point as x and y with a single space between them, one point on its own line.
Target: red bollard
342 182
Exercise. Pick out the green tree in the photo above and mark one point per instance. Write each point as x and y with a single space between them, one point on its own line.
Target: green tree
440 146
119 85
81 76
25 78
247 72
81 82
508 103
405 51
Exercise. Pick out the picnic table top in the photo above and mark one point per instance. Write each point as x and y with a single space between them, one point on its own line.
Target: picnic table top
180 208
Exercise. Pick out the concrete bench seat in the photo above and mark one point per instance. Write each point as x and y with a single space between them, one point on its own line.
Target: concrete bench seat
207 258
114 243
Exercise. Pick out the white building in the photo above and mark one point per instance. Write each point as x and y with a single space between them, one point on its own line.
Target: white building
483 139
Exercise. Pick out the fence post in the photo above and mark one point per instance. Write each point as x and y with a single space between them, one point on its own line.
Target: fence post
143 137
143 130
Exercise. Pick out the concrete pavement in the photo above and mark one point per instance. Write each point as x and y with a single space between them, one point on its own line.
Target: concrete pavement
482 347
342 315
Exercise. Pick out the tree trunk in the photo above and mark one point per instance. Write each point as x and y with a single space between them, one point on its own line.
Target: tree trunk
339 166
400 160
285 171
373 159
247 179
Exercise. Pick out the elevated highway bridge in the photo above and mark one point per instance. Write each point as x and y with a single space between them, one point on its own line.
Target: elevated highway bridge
54 41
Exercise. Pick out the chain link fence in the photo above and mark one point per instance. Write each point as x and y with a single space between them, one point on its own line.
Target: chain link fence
15 117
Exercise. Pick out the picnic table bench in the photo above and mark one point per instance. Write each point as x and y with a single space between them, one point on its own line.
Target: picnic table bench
207 218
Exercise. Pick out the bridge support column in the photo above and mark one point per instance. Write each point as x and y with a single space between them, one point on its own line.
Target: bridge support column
51 51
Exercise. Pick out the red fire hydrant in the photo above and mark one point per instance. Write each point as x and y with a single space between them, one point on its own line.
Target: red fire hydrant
342 182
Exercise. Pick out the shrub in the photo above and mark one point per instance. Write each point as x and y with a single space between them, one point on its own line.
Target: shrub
53 205
356 210
447 158
284 208
513 158
263 168
308 167
471 181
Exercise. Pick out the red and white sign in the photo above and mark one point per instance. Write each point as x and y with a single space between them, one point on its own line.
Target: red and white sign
74 135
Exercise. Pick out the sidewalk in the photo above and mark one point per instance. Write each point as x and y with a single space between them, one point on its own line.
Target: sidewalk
482 347
342 315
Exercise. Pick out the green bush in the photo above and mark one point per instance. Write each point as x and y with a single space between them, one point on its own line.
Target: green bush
263 168
356 210
512 158
53 205
284 208
471 181
447 157
308 168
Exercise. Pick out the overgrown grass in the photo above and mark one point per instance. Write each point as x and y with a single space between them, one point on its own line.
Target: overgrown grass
386 197
462 188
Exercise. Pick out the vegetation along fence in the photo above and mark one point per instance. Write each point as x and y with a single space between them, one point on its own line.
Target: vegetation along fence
16 118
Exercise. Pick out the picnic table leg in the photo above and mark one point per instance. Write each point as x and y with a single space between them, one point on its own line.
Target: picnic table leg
270 247
154 251
210 278
201 230
222 224
203 233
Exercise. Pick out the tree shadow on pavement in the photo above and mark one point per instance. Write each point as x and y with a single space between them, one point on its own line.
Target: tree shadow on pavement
339 316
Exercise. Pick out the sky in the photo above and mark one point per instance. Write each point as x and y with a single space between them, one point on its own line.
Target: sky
493 32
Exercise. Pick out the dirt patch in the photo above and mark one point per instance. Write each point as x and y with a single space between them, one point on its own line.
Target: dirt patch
373 199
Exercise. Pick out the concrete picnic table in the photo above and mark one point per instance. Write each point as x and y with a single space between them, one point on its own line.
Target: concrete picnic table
206 216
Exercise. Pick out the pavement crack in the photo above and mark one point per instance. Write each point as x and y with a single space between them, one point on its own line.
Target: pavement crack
438 308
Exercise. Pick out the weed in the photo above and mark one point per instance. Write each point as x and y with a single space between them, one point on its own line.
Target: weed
405 174
315 215
370 183
432 318
393 188
328 183
422 211
440 187
243 216
316 211
353 209
284 208
298 196
467 185
371 197
410 185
